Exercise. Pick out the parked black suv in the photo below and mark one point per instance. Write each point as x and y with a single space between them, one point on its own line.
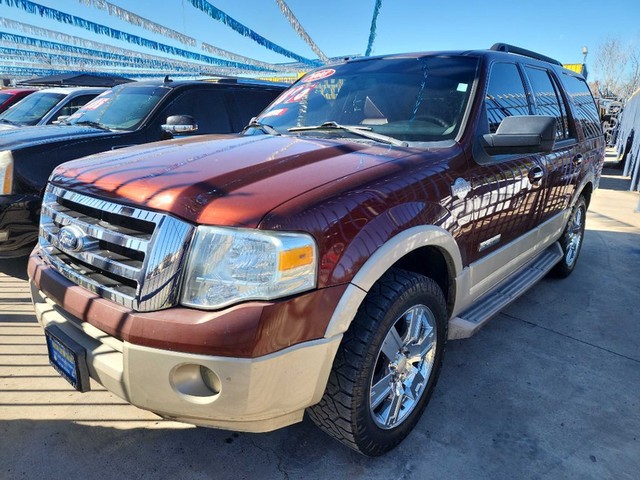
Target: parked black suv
128 114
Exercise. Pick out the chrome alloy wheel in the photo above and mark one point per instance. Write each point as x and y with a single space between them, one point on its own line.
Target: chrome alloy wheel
575 232
403 367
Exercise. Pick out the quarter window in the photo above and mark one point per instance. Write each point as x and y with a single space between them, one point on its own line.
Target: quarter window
506 95
73 105
586 111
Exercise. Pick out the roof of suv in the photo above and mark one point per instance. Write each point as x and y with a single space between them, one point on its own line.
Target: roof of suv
498 50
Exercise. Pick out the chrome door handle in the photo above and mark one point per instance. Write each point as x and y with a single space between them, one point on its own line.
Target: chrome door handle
577 160
536 174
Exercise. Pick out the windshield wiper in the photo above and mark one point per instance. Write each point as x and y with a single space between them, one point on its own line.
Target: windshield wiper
90 124
268 129
360 131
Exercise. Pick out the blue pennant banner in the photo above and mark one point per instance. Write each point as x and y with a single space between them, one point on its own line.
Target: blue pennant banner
53 14
28 70
219 15
372 30
49 48
42 57
62 41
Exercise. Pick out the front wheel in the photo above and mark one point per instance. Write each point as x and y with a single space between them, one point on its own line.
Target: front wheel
387 365
571 240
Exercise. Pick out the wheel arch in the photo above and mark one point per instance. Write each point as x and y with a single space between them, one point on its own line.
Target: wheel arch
428 250
586 192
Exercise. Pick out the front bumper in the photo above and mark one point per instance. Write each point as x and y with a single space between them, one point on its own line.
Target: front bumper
251 394
19 217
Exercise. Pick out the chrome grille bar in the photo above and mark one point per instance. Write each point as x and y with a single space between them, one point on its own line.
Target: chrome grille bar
131 256
96 231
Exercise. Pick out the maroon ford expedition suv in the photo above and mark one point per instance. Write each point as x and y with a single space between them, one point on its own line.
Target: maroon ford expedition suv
319 261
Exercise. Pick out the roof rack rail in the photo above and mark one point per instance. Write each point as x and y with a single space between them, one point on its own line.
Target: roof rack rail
505 47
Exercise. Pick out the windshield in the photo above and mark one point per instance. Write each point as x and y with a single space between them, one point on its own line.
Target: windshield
121 108
409 99
31 109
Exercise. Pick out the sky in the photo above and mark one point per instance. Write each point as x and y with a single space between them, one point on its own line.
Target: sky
556 28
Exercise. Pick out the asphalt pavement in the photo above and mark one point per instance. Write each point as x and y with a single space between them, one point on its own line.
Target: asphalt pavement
550 388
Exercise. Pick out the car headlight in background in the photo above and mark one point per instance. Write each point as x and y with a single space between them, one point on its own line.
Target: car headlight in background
226 266
6 172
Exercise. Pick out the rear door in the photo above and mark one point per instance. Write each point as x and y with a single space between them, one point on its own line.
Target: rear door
563 164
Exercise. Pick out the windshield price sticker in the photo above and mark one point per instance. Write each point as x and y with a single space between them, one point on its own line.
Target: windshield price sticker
95 103
275 113
319 75
296 94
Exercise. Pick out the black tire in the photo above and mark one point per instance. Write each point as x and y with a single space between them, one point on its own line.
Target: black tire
571 240
347 411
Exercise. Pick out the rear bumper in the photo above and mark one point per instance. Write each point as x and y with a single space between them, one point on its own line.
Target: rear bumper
19 216
247 394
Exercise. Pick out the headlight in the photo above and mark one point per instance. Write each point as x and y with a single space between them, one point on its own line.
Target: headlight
6 172
226 266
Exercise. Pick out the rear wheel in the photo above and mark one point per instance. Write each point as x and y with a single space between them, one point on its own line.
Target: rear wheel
571 240
387 365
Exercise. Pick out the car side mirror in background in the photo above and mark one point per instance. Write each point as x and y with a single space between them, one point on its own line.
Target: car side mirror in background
522 134
60 119
180 125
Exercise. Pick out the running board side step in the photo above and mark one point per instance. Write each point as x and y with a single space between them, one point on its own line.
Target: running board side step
471 320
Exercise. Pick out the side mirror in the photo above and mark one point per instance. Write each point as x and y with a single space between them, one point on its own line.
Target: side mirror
60 119
522 134
180 125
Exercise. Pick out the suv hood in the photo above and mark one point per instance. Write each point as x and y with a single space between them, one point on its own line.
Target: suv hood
232 181
23 137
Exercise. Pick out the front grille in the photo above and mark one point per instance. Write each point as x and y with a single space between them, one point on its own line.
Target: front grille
131 256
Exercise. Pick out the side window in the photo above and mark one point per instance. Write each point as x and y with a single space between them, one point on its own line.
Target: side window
586 110
73 105
207 106
252 102
506 95
548 101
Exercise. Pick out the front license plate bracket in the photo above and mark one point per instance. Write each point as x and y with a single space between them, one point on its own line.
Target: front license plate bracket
68 357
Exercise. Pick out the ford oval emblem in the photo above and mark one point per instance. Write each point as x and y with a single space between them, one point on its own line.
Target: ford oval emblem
71 238
460 188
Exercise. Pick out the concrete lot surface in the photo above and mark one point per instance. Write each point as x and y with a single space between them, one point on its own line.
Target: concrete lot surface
550 388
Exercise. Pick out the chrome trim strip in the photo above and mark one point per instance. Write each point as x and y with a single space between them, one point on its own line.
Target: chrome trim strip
490 242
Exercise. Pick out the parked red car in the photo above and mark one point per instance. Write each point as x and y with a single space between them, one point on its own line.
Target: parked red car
11 95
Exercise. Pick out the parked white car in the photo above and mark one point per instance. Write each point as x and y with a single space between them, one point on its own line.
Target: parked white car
45 106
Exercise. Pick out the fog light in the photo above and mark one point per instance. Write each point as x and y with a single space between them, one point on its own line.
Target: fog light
197 382
210 379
